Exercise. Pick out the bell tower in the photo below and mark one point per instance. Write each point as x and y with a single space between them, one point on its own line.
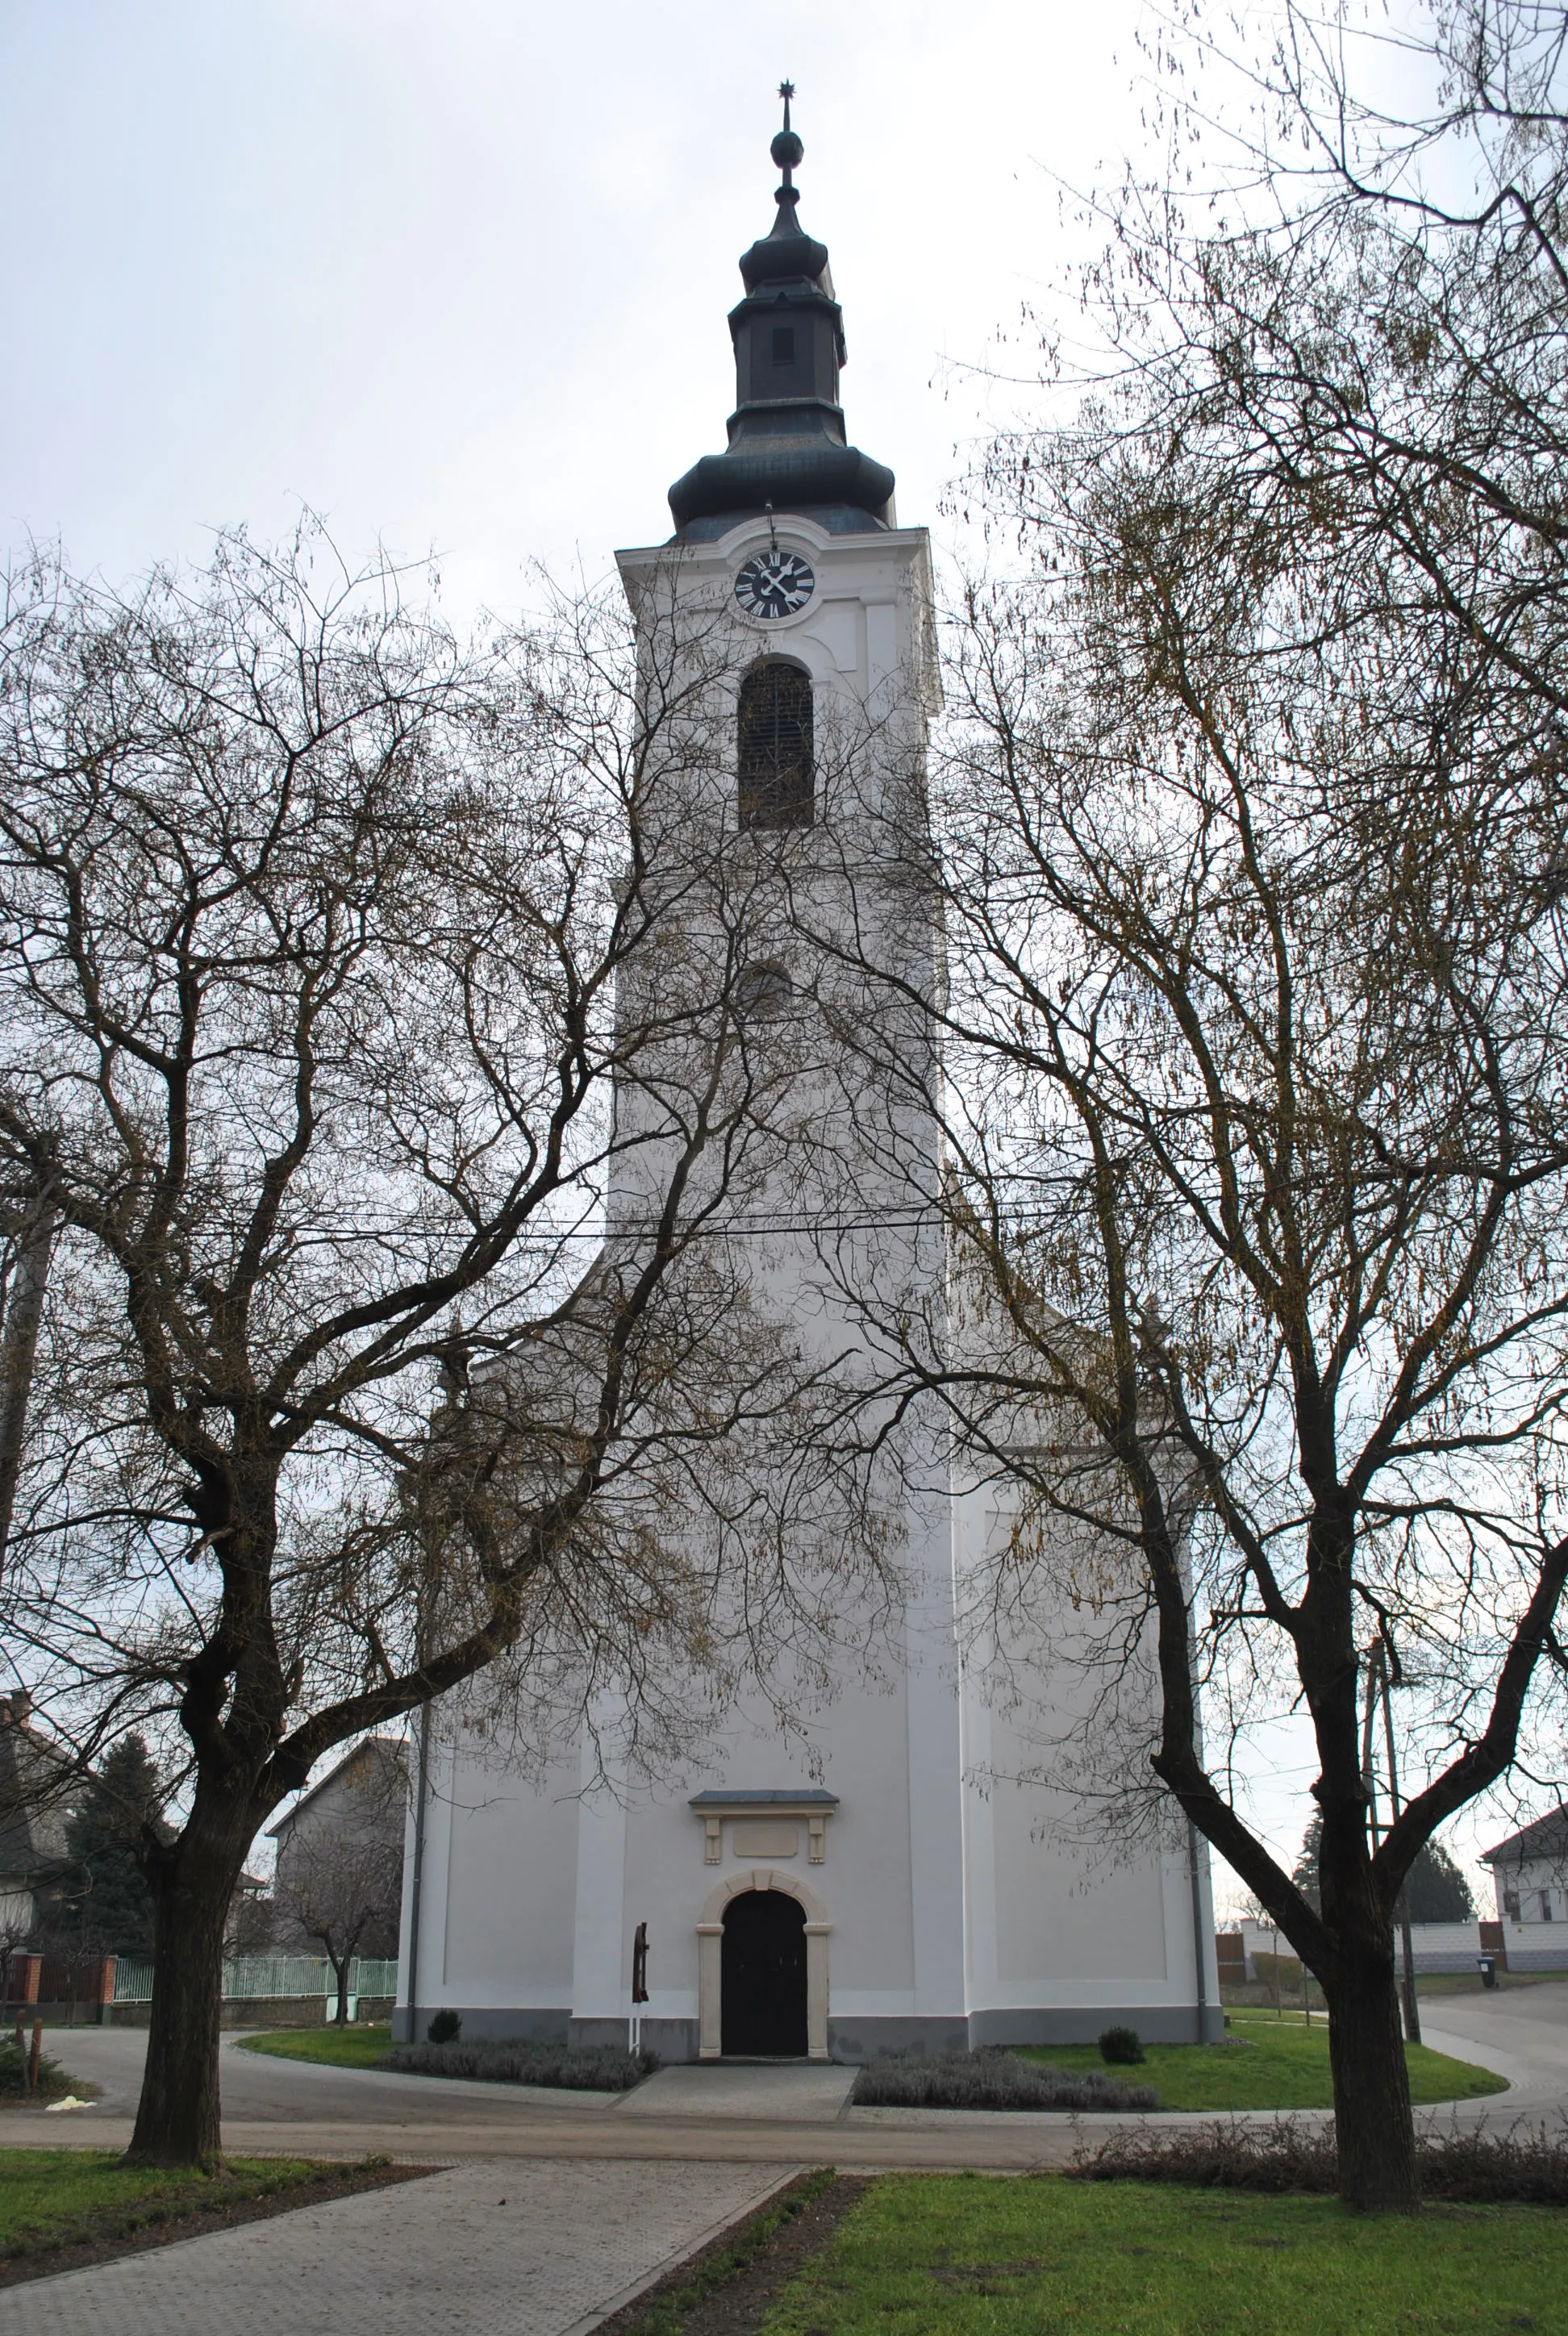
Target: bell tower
814 609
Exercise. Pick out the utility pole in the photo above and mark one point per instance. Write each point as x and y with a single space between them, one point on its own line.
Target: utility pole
1378 1685
1374 1657
1412 2009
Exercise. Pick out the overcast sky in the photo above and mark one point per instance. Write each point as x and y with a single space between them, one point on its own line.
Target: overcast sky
457 276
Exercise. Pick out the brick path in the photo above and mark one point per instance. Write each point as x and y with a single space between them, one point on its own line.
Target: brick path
789 2095
441 2256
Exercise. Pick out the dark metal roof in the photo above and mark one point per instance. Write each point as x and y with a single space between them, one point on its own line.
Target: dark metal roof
787 450
1547 1837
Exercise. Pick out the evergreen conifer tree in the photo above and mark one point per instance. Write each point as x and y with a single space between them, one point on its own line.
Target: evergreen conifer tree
107 1901
1439 1891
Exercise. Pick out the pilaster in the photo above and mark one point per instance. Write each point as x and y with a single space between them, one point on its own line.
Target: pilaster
597 1988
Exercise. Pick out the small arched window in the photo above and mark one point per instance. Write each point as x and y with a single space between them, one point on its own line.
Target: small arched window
763 992
775 746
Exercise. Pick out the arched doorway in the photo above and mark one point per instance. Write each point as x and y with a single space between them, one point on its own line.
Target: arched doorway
710 1956
764 1977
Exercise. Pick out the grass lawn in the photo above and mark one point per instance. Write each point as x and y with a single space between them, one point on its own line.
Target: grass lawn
1275 2064
58 2197
336 2047
964 2255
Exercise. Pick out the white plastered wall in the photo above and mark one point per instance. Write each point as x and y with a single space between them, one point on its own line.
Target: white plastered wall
946 1889
1062 1916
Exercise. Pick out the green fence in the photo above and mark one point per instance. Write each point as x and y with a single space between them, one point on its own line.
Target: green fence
257 1977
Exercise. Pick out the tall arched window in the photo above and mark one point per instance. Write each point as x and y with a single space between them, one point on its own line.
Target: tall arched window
775 746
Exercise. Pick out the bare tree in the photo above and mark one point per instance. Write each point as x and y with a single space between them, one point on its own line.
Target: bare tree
343 1890
28 1225
324 938
1253 838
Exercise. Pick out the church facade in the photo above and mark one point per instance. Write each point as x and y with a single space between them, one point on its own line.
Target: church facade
901 1870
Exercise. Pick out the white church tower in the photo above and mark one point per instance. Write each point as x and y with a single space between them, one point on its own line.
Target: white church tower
895 1874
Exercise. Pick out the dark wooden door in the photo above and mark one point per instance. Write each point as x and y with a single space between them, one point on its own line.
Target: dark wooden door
764 1977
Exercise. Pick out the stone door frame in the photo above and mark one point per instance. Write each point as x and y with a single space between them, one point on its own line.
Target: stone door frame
710 1967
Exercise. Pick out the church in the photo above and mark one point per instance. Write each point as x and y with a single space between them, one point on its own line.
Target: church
900 1871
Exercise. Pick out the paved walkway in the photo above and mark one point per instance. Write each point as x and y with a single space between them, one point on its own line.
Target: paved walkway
787 2095
485 2250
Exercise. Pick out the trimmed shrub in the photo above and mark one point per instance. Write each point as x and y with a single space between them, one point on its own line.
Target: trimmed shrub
445 2027
52 2076
595 2068
1527 2165
1284 2155
1122 2047
991 2079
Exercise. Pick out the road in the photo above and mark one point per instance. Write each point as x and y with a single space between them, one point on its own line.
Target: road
292 2106
1521 2032
781 2118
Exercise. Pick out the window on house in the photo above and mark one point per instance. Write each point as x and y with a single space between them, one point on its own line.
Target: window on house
1511 1905
775 747
783 345
1545 1905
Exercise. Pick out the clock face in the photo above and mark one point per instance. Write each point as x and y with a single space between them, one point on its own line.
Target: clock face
774 584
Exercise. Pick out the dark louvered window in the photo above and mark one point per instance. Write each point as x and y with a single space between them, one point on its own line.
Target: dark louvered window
776 747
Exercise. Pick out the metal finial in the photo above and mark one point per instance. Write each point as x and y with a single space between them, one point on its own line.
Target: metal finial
787 148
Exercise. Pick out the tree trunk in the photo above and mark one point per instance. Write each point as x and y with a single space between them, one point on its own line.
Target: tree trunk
340 1973
178 2116
18 1347
1372 2121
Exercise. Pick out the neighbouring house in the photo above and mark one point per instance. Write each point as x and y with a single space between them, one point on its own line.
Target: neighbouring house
335 1845
1530 1875
34 1786
252 1924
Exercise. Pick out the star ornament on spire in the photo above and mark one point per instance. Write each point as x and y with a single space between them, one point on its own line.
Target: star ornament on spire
787 148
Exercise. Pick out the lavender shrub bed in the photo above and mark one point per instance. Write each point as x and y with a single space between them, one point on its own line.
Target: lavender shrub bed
1527 2164
992 2079
598 2069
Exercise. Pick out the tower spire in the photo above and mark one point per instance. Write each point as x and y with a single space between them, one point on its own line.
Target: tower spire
787 148
786 435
